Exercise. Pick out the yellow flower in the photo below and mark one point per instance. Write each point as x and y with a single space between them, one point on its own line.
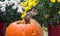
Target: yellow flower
34 0
59 12
27 8
30 4
34 4
24 4
58 1
53 1
24 14
30 0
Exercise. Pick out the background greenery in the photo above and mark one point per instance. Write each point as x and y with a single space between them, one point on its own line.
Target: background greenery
48 13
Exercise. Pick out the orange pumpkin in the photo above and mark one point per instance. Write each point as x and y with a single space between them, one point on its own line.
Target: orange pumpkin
19 28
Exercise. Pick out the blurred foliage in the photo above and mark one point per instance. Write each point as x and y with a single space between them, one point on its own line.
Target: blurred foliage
10 15
48 13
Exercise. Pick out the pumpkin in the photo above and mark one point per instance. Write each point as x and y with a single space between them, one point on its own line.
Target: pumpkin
20 28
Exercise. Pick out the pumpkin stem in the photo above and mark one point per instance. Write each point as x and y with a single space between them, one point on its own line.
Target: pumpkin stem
27 20
30 15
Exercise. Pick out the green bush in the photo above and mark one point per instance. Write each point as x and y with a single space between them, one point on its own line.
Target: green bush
48 13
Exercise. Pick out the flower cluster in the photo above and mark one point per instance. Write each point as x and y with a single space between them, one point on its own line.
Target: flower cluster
53 1
28 5
6 3
23 7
